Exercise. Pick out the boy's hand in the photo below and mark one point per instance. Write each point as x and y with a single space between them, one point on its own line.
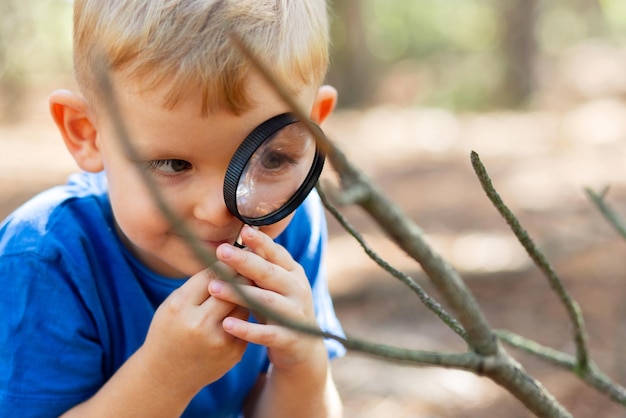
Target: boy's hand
282 287
186 345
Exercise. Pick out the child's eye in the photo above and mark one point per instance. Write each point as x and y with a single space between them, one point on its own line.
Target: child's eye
275 161
169 166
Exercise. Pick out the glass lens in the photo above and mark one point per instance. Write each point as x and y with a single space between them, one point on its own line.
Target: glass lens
276 171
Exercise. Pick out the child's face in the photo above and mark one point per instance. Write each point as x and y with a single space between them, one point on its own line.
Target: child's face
186 155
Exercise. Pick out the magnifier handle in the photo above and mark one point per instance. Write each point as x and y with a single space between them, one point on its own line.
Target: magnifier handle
239 242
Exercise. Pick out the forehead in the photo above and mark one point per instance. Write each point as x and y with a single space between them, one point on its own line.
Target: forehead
149 121
259 93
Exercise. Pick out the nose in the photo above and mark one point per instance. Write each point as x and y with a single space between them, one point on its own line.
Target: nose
210 206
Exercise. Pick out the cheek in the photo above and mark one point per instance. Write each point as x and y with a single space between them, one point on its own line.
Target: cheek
135 212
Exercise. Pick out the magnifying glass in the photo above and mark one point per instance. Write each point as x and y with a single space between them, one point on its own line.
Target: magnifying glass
272 171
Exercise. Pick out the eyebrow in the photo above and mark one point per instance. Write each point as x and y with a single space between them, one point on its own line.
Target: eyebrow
146 149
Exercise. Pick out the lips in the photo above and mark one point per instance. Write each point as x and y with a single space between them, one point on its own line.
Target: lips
215 244
206 242
214 240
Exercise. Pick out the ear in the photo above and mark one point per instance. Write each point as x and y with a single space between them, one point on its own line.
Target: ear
324 104
71 115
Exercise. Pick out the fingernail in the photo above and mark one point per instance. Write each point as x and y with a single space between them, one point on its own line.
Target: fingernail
226 251
215 287
229 324
249 231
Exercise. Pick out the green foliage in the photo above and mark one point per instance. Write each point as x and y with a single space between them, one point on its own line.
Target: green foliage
35 44
615 12
459 47
456 49
397 29
36 36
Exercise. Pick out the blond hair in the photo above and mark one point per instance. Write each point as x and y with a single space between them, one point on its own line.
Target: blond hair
185 45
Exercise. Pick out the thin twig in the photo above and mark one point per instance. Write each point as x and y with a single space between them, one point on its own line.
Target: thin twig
573 309
496 364
563 360
486 357
396 224
463 361
609 214
617 222
428 301
121 130
592 375
207 258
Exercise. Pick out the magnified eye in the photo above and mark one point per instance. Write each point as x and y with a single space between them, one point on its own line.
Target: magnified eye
272 171
170 166
276 161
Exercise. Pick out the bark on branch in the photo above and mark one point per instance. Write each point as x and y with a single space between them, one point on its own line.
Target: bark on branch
485 356
496 363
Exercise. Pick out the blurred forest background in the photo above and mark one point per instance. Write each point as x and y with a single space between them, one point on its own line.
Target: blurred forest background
460 54
537 88
457 54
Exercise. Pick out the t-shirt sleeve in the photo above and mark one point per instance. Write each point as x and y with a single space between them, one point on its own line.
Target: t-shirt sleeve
306 239
50 359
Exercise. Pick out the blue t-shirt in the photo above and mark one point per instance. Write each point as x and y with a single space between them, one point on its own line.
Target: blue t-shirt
75 303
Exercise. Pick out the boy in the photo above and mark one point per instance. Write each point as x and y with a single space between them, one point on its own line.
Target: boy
105 309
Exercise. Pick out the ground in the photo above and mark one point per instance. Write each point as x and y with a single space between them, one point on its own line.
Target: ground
540 162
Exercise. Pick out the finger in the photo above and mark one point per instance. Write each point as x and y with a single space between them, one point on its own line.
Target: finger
262 272
222 271
261 244
240 280
220 308
240 313
266 335
245 312
215 309
252 297
195 290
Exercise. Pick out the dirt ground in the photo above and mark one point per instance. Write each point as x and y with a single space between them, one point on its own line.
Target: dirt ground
540 162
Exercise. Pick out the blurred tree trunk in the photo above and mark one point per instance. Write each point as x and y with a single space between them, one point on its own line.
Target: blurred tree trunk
520 49
5 12
11 84
350 67
595 17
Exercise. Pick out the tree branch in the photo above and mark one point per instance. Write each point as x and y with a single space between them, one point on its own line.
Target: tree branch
592 375
606 211
572 308
486 358
396 224
498 365
464 361
428 301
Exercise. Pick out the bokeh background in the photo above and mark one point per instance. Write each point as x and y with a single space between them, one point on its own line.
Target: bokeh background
537 88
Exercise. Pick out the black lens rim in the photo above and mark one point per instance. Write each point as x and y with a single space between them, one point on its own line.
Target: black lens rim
241 158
